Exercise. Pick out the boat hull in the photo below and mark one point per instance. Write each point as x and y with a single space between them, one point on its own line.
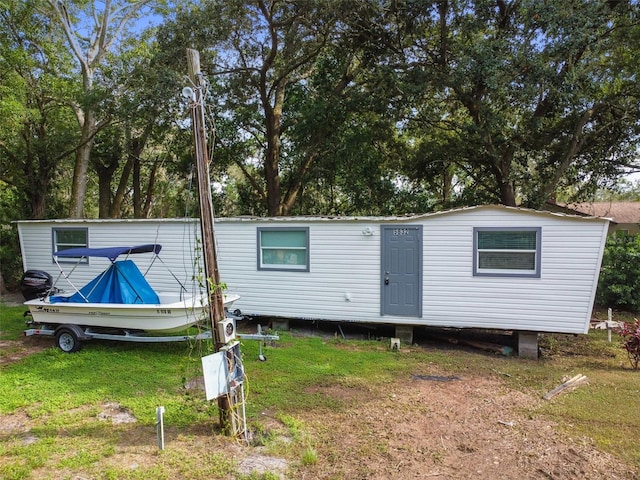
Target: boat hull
171 315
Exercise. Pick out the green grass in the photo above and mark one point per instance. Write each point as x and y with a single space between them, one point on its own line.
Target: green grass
61 395
12 322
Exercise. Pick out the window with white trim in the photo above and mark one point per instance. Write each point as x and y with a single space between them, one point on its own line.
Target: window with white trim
283 248
72 237
506 251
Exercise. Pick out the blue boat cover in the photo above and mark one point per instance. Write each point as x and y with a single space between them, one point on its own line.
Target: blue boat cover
122 282
109 252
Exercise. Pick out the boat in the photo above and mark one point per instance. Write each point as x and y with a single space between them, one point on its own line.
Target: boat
120 297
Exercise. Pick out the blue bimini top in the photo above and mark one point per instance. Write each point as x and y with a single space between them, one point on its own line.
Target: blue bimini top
108 252
121 283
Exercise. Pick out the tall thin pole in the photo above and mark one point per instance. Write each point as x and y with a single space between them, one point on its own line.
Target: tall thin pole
212 274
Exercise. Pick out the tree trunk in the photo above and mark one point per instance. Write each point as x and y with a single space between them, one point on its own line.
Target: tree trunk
137 196
150 186
83 154
507 194
105 176
447 178
37 188
104 194
118 199
271 170
45 168
502 172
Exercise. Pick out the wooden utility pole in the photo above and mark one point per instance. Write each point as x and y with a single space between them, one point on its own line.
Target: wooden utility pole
212 274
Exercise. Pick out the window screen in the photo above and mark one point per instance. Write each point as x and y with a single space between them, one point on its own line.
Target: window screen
64 238
283 249
507 251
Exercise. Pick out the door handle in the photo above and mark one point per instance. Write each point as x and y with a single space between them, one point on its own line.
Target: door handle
386 280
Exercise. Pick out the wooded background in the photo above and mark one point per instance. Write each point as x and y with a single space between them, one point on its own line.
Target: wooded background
331 107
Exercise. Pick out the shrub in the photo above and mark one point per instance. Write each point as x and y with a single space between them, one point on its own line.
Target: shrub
630 333
619 283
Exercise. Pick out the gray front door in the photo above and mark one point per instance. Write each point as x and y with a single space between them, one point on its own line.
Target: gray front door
401 280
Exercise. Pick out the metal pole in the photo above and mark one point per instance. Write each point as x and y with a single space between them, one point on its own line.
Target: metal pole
160 426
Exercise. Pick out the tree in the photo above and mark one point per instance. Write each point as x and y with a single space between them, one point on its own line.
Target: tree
141 97
35 130
91 33
522 98
262 49
338 126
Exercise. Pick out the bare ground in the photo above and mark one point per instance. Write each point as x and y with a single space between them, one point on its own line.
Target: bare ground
462 428
12 351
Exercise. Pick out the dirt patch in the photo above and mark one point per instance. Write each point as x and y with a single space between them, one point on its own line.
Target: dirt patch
467 427
15 350
15 423
12 299
260 463
116 414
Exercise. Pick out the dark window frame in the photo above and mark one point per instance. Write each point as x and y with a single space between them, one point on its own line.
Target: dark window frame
55 244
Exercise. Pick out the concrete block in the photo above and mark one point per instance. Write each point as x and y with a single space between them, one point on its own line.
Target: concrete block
528 345
405 334
281 324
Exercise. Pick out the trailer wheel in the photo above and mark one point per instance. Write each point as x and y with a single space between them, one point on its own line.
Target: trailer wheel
67 340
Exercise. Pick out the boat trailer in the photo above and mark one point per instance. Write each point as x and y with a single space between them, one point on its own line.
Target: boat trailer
69 337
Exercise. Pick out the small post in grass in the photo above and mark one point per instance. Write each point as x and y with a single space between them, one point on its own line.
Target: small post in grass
609 324
160 426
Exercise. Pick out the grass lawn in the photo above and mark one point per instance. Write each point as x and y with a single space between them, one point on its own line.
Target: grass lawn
51 402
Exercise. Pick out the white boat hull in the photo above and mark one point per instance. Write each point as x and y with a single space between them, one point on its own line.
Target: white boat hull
171 315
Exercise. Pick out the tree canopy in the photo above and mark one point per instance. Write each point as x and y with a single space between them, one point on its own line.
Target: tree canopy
515 100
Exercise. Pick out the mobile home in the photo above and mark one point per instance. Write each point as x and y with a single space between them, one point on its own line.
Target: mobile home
488 267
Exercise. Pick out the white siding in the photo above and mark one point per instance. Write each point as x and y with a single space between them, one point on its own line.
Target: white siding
560 300
344 280
343 262
175 236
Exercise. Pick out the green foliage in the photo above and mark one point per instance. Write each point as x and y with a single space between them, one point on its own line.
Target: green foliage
10 259
35 131
522 99
322 107
260 476
619 282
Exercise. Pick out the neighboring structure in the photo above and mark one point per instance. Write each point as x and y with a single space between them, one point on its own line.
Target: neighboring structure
624 216
489 267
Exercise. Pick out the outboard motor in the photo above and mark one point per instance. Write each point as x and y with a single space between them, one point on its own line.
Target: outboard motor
35 284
